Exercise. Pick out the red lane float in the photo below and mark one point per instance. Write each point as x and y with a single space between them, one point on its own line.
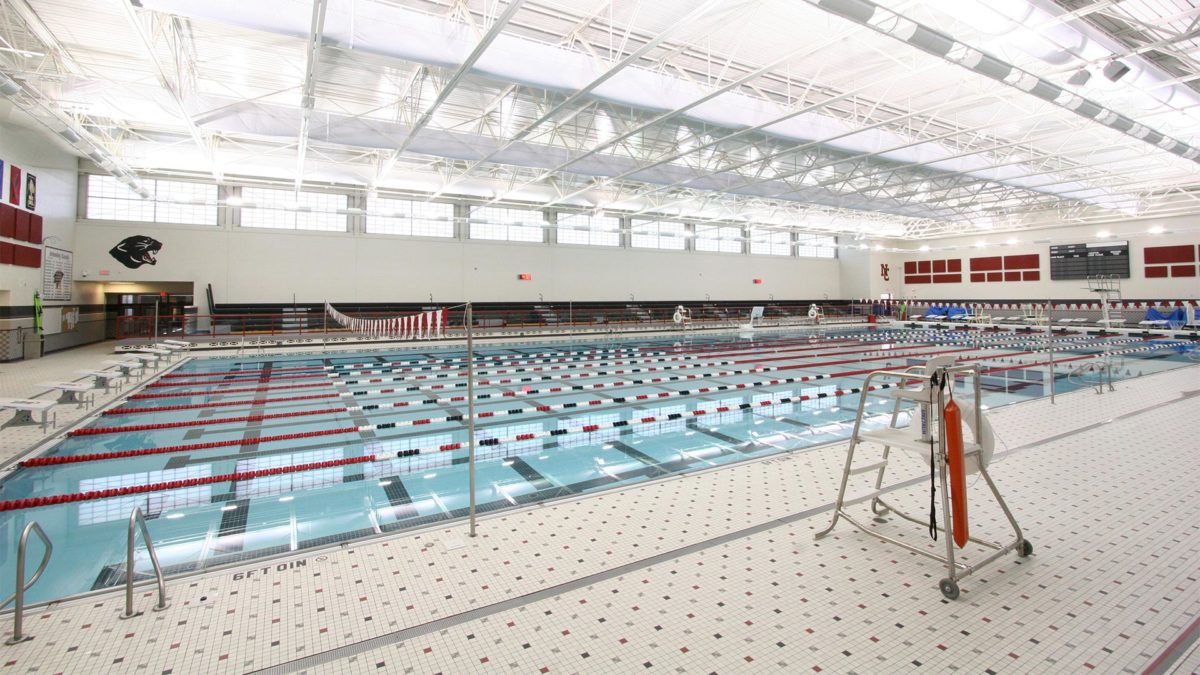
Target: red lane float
50 500
121 454
215 404
93 431
236 380
176 394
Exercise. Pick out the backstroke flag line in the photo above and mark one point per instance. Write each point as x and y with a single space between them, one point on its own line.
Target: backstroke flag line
421 326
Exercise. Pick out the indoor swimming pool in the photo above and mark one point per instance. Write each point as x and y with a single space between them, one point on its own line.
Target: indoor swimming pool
332 447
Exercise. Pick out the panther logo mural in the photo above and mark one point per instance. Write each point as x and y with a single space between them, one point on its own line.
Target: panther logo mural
135 251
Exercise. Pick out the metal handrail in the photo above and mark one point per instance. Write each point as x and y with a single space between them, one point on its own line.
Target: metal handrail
136 518
21 586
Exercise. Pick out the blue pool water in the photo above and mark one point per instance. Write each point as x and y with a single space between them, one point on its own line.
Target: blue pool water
199 527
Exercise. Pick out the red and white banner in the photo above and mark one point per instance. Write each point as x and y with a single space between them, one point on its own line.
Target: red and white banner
423 326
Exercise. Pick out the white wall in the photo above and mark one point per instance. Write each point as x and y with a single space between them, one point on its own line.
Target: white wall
253 266
1184 230
57 180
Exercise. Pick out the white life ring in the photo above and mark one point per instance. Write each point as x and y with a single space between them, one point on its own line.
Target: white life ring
678 316
813 311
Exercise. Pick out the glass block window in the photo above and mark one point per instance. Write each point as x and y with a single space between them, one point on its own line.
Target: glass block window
662 426
500 224
770 242
170 201
816 246
105 510
515 447
409 218
289 482
588 230
658 234
772 410
289 210
429 458
718 239
592 437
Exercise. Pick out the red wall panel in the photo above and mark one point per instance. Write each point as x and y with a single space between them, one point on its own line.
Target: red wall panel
1031 276
1021 262
947 278
1159 272
7 253
939 266
22 225
955 265
28 257
977 277
35 228
1183 270
923 279
990 264
995 276
1158 255
910 267
924 266
8 221
1012 276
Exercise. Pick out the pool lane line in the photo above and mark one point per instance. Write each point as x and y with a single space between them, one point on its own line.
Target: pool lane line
977 345
70 459
559 363
484 442
91 431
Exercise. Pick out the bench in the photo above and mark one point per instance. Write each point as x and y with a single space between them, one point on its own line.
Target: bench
24 409
69 392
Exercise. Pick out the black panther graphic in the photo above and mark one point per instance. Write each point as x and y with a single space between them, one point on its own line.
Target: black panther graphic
135 251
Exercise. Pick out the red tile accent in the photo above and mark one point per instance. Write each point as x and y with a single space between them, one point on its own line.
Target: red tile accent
910 267
924 266
939 266
1183 270
1031 276
1012 276
954 265
978 277
922 279
1157 272
22 229
947 278
8 222
995 276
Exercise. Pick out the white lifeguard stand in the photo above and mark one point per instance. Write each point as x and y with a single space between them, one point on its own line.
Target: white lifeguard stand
924 436
682 317
815 313
756 314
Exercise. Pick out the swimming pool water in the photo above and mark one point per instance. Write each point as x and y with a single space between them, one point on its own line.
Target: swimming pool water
199 527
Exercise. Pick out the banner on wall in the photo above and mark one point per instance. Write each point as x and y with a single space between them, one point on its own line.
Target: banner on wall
58 268
70 319
14 185
30 192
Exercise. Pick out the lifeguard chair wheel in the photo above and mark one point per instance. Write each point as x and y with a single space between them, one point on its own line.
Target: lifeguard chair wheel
1026 548
949 588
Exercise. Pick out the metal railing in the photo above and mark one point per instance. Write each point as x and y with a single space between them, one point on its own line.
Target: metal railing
562 316
137 519
21 585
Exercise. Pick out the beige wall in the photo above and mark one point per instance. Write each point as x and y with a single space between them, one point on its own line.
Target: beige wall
1185 230
249 266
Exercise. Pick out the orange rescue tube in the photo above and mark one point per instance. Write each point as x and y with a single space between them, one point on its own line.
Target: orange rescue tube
956 462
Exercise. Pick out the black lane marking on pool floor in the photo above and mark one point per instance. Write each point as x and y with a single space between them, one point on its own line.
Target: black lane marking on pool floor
233 526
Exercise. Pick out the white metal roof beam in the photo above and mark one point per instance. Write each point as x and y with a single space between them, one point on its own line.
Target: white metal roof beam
172 86
579 94
312 55
493 32
714 93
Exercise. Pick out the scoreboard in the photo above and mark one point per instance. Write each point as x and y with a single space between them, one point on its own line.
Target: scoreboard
1080 261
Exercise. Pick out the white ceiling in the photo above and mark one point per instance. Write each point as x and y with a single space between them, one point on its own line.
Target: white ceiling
769 111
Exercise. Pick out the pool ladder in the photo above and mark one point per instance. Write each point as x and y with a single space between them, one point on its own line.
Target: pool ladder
21 586
136 520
